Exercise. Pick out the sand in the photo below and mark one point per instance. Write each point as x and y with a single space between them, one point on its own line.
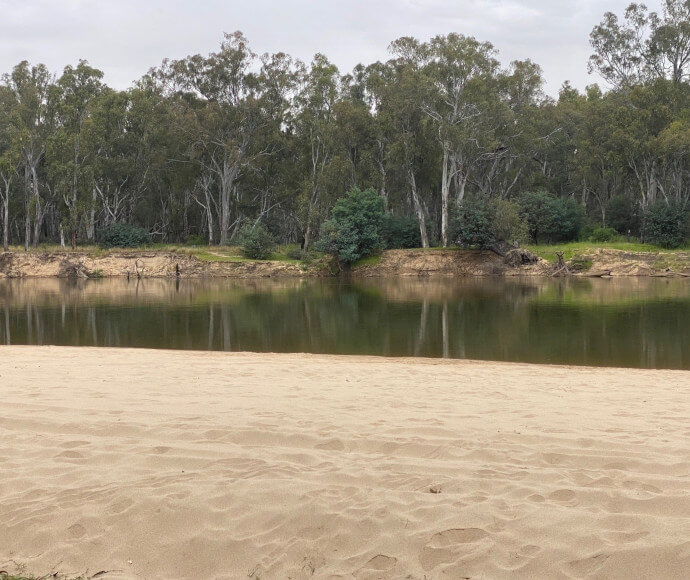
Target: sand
160 464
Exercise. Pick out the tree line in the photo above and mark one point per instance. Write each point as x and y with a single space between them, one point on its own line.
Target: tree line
202 147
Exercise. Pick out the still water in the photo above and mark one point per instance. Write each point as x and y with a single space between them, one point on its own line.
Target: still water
628 322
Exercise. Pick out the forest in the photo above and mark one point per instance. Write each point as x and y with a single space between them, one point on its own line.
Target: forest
453 143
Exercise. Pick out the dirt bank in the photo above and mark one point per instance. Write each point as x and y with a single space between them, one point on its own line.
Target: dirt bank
151 264
609 262
598 262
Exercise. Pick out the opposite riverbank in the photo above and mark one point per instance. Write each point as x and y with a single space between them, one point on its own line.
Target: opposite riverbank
165 464
186 262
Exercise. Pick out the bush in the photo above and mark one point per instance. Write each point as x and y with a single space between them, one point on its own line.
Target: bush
197 240
354 230
551 219
294 253
667 224
475 223
123 236
603 235
507 222
401 232
256 242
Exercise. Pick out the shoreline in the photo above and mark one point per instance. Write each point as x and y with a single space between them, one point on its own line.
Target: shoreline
435 262
180 464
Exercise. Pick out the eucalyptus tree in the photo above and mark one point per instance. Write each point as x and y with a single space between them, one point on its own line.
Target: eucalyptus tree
644 45
10 159
463 103
275 177
32 89
70 162
219 93
402 105
378 77
314 123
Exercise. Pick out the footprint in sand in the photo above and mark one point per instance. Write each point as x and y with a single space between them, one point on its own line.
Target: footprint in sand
73 444
457 536
640 486
587 566
76 530
161 450
380 563
332 445
564 496
624 537
120 506
71 455
529 550
451 545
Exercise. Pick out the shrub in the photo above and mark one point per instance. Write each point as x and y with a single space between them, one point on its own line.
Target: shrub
507 222
401 232
603 235
121 235
256 242
667 224
294 253
354 230
550 218
475 223
197 240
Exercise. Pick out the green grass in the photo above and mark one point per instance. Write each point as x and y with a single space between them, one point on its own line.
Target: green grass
368 261
574 249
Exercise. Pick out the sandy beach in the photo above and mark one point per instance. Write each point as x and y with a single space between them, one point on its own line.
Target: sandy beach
163 464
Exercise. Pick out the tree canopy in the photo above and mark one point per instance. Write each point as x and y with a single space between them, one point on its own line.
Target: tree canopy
203 146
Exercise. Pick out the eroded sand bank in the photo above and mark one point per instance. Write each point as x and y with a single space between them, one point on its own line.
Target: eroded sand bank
160 464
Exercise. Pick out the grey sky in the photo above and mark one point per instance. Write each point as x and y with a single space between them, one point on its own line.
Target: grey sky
125 38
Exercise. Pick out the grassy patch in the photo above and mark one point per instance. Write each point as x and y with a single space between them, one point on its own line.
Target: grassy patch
575 249
368 261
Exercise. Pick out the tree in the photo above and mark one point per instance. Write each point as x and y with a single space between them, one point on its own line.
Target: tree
645 46
218 91
70 161
32 90
9 160
354 230
549 218
314 123
462 104
475 223
667 223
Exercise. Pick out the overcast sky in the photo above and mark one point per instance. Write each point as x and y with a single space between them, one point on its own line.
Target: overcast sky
125 38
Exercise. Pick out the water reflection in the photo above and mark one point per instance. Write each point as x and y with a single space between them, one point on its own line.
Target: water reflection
631 322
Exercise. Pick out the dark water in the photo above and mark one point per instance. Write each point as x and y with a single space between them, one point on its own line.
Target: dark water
629 322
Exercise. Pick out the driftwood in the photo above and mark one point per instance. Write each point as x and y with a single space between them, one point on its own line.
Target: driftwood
561 268
518 257
139 270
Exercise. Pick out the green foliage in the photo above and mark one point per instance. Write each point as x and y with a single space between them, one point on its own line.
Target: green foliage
401 231
603 235
475 223
667 224
354 230
196 240
622 214
551 219
507 222
294 253
122 235
256 241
